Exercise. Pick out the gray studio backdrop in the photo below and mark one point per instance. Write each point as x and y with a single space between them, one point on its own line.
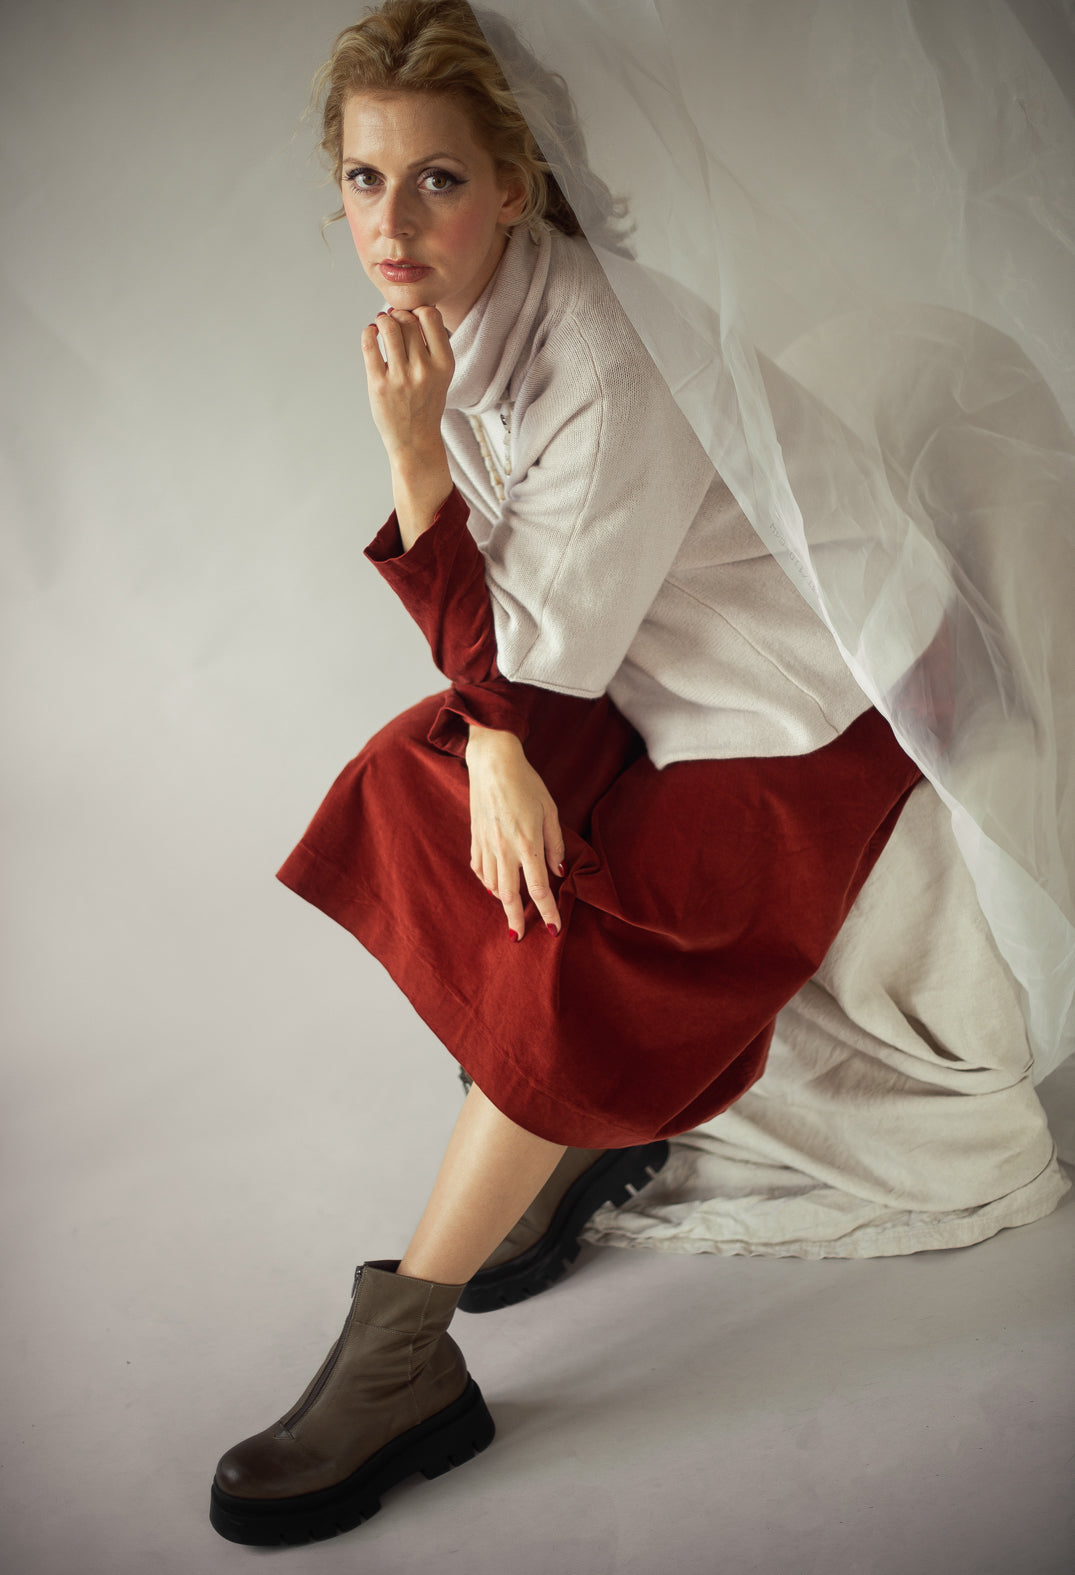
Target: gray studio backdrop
198 1067
193 642
193 646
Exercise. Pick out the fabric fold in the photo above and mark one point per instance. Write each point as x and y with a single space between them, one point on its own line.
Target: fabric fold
853 237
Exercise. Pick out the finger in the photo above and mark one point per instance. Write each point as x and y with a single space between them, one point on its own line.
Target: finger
537 884
419 349
371 351
511 900
392 337
477 864
434 333
409 326
483 863
554 843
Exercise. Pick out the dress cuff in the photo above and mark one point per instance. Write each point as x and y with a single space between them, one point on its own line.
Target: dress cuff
501 705
441 582
386 551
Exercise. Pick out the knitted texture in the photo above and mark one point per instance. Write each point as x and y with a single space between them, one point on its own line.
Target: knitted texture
618 560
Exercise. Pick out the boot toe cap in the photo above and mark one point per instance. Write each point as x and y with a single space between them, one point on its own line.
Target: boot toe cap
255 1469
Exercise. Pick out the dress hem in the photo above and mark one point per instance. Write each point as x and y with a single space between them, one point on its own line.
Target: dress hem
451 1019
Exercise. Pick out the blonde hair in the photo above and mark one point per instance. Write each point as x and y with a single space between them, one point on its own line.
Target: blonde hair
438 46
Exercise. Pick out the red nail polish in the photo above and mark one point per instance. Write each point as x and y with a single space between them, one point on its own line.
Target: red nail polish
512 935
562 869
553 930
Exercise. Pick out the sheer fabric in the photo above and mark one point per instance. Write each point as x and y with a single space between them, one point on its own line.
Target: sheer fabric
854 263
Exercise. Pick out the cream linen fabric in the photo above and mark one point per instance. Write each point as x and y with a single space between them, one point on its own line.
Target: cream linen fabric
618 559
897 1111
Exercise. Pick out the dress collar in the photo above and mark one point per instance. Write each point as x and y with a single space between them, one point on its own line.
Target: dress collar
489 341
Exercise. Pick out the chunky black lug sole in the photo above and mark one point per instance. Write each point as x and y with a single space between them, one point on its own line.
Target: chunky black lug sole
613 1178
451 1437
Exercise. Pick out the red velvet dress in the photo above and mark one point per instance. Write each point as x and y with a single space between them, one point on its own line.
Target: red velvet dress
697 899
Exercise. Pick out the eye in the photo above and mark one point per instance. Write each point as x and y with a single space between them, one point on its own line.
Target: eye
361 179
441 180
435 181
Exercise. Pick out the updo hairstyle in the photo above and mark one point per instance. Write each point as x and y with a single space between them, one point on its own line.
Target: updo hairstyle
437 46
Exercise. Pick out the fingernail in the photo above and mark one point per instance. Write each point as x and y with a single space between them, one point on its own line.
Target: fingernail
512 935
562 869
553 930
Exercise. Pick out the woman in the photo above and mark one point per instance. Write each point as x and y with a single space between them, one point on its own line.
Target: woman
670 787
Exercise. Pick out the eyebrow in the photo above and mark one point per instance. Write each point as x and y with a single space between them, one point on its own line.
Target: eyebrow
417 165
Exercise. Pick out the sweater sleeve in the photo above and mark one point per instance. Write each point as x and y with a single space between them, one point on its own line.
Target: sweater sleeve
441 582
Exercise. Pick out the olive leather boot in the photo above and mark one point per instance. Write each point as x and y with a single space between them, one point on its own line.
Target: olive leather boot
393 1397
539 1248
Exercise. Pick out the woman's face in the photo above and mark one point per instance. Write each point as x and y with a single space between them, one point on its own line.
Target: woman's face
424 201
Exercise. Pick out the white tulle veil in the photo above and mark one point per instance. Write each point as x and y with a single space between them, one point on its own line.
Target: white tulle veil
854 243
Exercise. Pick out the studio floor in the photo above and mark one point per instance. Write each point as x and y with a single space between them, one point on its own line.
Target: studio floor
182 1259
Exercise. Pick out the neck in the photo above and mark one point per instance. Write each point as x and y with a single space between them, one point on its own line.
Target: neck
454 315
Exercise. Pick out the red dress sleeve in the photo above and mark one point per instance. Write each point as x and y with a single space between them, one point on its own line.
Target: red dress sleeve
441 582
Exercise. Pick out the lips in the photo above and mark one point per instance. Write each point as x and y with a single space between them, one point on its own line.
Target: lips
401 270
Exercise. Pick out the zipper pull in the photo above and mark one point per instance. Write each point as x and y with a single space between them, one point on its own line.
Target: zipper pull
354 1284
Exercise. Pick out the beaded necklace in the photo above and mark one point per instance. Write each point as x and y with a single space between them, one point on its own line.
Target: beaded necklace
487 454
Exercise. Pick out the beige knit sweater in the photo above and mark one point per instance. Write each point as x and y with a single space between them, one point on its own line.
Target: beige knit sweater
616 558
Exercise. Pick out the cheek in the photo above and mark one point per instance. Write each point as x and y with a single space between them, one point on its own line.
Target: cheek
359 233
465 232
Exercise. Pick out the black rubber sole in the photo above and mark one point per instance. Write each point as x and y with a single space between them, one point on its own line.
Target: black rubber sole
450 1438
613 1178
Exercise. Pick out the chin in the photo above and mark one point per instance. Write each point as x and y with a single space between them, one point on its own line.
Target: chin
408 295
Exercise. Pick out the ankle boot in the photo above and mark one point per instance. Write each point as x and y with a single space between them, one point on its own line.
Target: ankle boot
537 1251
392 1397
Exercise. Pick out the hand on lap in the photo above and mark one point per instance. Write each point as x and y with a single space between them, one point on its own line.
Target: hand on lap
515 829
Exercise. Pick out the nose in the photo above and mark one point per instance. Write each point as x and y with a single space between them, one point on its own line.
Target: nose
397 213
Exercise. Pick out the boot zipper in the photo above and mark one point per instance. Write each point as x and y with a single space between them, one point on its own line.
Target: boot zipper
330 1363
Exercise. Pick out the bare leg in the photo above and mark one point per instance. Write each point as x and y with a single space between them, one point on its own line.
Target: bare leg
492 1171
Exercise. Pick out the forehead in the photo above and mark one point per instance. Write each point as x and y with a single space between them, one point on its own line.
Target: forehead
407 125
